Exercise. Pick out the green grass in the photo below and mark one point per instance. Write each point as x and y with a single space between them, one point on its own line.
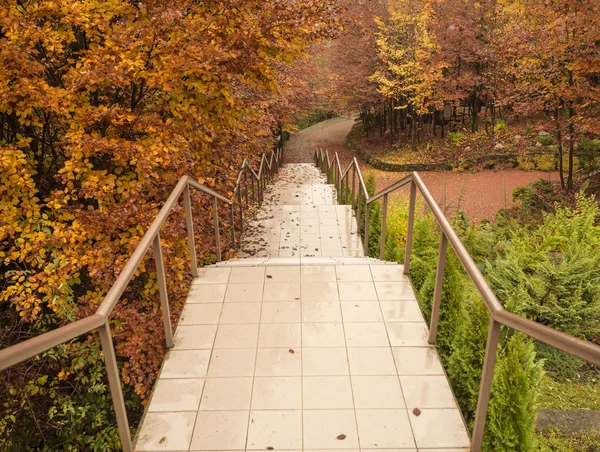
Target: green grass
569 395
553 440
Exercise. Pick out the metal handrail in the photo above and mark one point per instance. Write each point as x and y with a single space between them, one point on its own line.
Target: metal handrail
585 350
30 348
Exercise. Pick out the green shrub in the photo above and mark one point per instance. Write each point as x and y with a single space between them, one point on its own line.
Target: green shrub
466 363
374 229
456 138
545 140
451 305
590 155
552 274
511 419
501 124
559 365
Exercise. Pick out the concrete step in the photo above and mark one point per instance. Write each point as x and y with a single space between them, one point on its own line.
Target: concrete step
281 261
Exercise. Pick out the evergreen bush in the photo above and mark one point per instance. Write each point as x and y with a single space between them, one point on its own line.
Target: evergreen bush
466 363
451 306
511 422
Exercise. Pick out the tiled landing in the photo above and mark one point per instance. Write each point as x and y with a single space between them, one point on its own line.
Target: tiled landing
299 358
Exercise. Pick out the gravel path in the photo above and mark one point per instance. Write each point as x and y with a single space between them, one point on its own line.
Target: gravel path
479 194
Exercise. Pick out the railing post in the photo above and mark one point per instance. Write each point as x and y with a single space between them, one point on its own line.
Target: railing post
439 287
253 189
358 209
246 183
241 210
217 232
367 221
353 183
411 221
162 290
383 227
347 178
114 381
485 388
190 230
232 219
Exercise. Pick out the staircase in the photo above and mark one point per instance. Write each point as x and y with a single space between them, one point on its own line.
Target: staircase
302 343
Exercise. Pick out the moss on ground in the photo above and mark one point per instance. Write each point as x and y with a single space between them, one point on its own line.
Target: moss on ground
569 395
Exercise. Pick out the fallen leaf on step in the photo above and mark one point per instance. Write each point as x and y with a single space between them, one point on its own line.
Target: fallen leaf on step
291 350
417 412
342 436
162 440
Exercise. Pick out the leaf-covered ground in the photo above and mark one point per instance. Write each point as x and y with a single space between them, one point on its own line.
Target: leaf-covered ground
479 194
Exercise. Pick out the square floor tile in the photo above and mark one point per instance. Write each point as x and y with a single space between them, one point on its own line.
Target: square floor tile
232 363
280 335
282 274
322 335
427 392
361 311
177 395
401 311
220 430
392 273
275 430
221 394
236 336
384 429
327 393
371 361
407 334
447 424
200 314
246 275
324 361
318 273
366 335
322 428
321 311
281 312
417 361
278 362
319 291
241 313
194 337
377 392
207 293
353 273
186 364
277 393
353 291
166 431
395 291
244 293
282 292
212 276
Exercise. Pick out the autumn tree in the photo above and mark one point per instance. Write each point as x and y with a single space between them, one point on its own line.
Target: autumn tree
103 107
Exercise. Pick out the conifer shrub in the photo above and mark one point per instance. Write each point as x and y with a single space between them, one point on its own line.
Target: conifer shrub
511 422
423 257
451 305
466 362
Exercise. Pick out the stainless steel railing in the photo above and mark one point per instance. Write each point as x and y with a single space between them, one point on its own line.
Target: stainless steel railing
269 166
585 350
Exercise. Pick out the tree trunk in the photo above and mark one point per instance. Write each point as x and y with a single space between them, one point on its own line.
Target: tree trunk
560 149
571 148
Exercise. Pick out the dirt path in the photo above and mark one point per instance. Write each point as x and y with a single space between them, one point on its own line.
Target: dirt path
480 194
